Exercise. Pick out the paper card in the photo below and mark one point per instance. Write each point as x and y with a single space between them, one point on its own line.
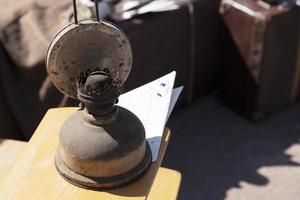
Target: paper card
152 103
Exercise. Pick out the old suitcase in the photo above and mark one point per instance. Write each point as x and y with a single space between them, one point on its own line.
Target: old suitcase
206 24
177 40
161 42
260 55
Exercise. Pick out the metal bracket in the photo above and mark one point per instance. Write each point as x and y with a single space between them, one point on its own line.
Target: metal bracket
75 11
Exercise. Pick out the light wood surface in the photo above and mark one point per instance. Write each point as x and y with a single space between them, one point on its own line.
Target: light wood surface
33 174
9 151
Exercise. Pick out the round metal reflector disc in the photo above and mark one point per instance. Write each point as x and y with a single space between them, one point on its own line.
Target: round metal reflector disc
82 48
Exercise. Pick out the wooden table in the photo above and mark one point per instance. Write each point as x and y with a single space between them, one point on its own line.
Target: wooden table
9 151
32 175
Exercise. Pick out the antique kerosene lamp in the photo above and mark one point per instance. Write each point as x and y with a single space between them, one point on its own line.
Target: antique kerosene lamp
101 145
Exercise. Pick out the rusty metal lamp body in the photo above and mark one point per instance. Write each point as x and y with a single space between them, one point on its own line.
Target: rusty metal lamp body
101 145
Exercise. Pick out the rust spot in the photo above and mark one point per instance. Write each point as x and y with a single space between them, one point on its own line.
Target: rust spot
121 65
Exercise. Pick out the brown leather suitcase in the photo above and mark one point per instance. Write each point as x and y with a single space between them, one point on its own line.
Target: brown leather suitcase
260 55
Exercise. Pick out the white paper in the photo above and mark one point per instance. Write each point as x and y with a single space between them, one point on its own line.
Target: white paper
151 103
175 94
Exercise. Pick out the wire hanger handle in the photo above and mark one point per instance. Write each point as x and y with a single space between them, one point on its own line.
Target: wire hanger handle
75 11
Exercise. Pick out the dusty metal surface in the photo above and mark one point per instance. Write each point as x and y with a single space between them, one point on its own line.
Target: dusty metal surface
106 150
81 48
101 183
101 145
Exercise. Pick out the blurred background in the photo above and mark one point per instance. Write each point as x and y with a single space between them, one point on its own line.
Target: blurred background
236 125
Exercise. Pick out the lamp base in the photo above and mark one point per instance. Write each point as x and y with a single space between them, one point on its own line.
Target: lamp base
103 183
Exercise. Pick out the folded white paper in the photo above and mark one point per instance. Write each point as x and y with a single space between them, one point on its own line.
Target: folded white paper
152 103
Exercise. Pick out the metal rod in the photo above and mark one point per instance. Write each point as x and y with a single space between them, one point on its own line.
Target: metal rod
75 12
97 10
